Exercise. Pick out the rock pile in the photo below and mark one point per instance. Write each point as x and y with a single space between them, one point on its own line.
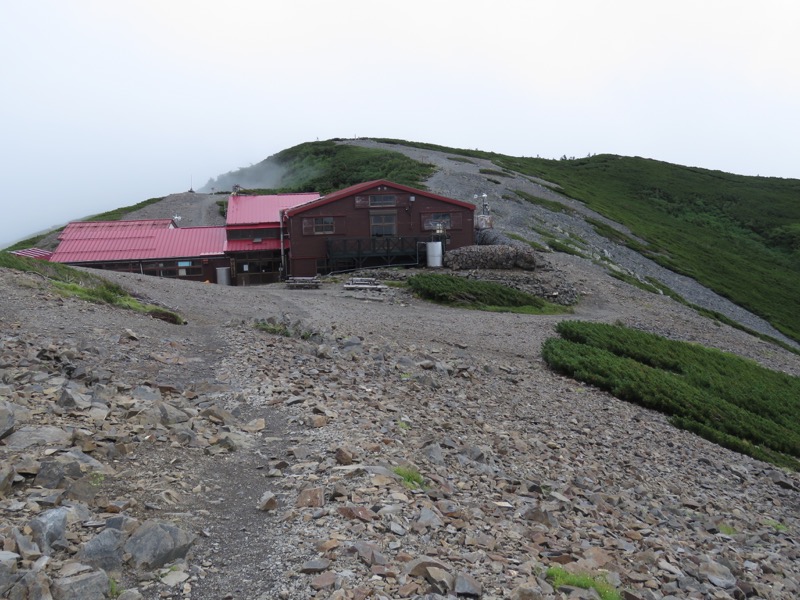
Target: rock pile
491 257
76 513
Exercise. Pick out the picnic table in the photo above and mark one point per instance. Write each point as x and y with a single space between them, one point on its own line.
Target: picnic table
303 282
364 283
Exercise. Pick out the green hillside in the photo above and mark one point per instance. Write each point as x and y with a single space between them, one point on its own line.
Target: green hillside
326 166
738 235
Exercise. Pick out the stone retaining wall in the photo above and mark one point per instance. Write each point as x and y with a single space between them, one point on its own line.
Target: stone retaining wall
491 257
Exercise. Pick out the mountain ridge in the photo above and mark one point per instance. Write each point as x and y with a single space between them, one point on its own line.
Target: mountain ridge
651 208
736 235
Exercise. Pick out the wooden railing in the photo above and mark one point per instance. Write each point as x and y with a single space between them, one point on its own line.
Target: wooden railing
388 247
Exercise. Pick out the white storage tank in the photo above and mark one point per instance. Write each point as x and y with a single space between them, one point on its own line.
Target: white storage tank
433 250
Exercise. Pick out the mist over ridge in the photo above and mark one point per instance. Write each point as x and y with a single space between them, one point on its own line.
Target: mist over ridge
265 174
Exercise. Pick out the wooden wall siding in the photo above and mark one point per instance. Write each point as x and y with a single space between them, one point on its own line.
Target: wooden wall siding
199 269
253 233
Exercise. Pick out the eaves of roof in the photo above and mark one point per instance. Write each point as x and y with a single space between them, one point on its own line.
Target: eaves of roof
368 185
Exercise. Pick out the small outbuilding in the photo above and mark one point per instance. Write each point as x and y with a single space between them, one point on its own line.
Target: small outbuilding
255 236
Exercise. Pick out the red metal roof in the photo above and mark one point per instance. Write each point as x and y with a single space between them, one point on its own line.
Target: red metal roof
33 253
251 246
368 185
260 210
115 243
87 229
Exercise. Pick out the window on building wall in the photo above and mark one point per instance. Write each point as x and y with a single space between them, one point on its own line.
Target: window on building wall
249 234
376 200
383 224
433 221
318 225
161 269
323 225
183 265
451 220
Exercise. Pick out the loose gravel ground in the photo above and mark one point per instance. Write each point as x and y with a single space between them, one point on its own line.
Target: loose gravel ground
498 402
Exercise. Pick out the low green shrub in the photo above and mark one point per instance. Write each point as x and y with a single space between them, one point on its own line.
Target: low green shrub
410 476
532 244
495 172
550 205
459 291
274 328
559 577
564 247
726 399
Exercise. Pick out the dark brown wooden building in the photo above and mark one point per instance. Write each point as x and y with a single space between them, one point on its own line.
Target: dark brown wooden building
373 224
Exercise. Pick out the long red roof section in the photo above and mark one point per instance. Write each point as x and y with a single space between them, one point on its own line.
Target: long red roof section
37 253
103 229
136 242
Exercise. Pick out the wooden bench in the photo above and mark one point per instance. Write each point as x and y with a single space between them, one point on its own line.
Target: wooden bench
364 283
303 282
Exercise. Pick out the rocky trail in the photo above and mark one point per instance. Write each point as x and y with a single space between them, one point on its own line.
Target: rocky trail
217 460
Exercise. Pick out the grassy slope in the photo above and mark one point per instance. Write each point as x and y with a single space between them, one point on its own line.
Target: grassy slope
738 235
327 166
87 286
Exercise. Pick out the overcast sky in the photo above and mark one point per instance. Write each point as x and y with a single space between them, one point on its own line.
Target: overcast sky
105 104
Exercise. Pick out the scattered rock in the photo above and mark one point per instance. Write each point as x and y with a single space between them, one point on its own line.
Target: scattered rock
311 497
86 586
268 502
156 543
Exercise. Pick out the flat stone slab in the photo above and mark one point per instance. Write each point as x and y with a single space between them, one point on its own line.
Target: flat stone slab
28 436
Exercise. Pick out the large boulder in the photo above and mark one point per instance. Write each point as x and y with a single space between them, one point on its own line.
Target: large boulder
157 543
104 551
7 419
84 586
7 474
49 529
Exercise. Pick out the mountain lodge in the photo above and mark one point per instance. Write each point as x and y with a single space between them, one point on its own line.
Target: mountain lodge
265 238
